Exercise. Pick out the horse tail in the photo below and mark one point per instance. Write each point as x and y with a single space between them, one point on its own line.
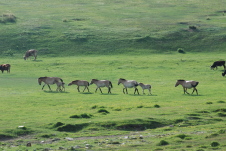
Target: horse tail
88 83
110 84
195 84
61 80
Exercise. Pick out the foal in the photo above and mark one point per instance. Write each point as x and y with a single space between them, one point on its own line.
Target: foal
59 84
128 84
102 83
80 83
145 86
188 85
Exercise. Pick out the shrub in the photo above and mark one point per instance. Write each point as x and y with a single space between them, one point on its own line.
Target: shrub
58 124
182 136
221 114
8 53
84 115
94 107
8 17
214 144
220 102
140 106
192 27
156 106
209 102
102 111
221 131
162 142
180 50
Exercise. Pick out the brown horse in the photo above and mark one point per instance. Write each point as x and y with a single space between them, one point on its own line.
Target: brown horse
48 80
102 83
145 86
5 67
80 83
128 84
187 85
30 53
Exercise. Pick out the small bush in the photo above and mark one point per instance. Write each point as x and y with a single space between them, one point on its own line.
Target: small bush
94 107
58 124
162 143
221 131
182 136
192 27
220 102
8 17
209 102
140 106
212 135
8 53
180 50
102 111
221 114
84 115
117 109
156 106
214 144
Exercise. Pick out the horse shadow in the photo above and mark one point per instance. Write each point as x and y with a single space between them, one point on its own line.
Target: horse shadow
37 60
86 92
55 91
108 94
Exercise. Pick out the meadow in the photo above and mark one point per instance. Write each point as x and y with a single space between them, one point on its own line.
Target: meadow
49 114
101 39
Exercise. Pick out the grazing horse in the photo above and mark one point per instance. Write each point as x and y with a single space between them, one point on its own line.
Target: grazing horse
5 67
102 83
48 80
30 53
145 86
218 63
188 85
80 83
59 84
128 84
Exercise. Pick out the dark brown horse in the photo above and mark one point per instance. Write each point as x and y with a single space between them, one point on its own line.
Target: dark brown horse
5 67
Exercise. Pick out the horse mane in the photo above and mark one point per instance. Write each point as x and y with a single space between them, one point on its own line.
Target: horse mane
181 80
122 79
95 80
42 77
75 80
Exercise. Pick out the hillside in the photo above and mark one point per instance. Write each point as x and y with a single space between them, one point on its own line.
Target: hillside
63 28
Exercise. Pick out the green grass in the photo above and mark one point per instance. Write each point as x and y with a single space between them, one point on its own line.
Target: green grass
23 103
112 27
135 40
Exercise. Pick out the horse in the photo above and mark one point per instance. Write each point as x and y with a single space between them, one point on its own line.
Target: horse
30 53
48 80
80 83
102 83
59 84
145 86
128 84
5 67
188 85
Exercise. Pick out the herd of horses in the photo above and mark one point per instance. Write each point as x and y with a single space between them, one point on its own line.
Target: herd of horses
106 83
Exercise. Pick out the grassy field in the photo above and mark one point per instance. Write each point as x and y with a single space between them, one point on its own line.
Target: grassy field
135 40
46 114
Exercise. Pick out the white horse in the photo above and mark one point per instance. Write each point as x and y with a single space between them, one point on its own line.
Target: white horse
102 83
128 84
145 86
188 85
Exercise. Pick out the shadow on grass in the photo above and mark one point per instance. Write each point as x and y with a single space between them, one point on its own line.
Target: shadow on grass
109 94
37 60
86 92
55 91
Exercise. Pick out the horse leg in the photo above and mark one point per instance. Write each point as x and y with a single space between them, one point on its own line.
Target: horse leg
123 90
126 91
49 87
43 86
109 89
137 91
150 91
96 89
100 90
85 88
143 91
88 89
78 89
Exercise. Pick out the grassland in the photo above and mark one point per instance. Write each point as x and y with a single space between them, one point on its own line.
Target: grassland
110 40
46 114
